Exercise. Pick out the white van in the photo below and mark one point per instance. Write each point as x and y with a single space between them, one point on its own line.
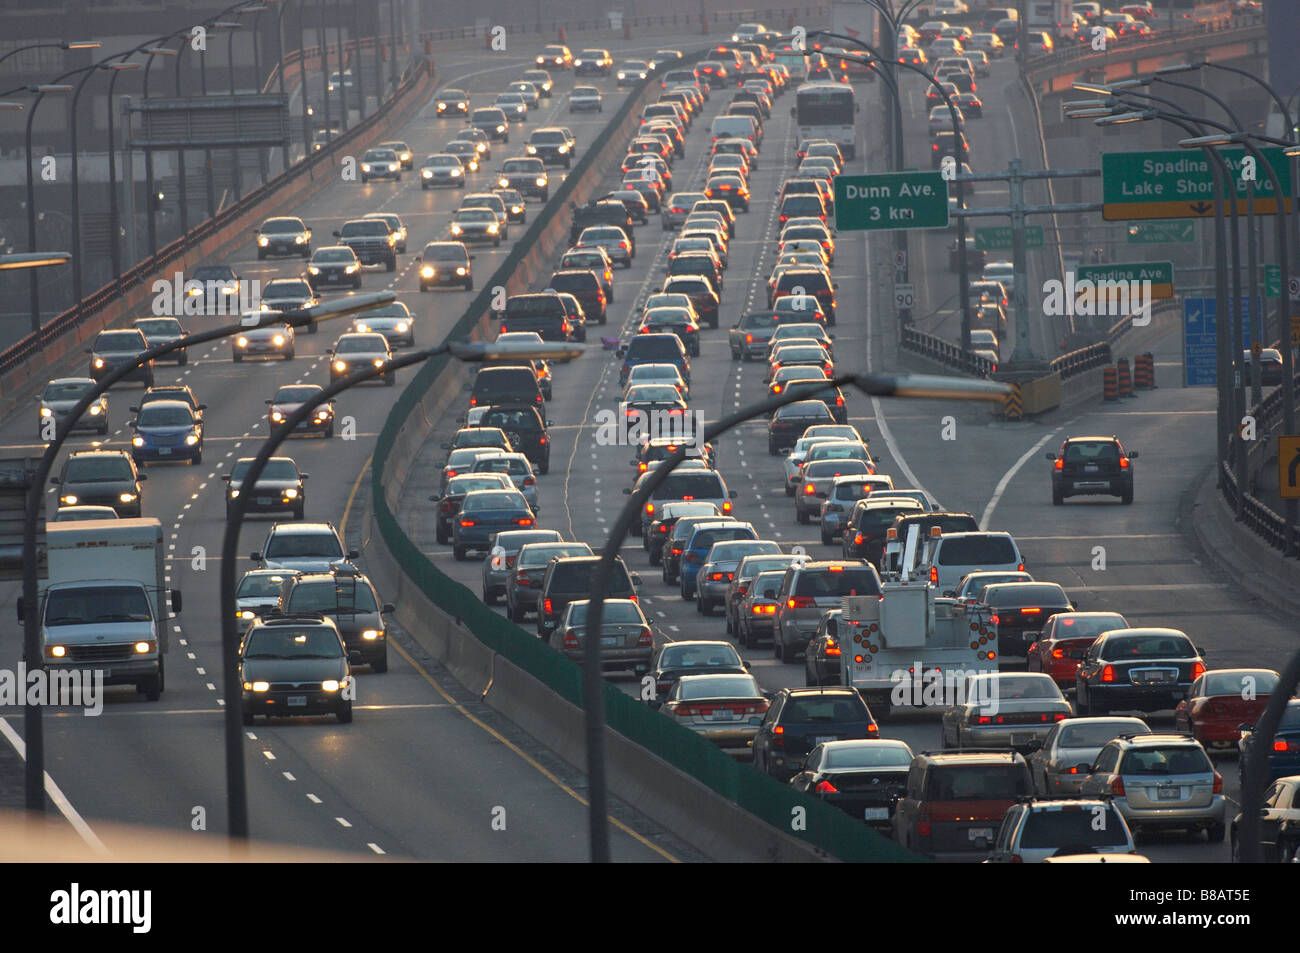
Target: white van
953 555
734 127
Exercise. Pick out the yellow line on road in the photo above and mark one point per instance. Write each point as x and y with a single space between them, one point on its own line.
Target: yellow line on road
352 495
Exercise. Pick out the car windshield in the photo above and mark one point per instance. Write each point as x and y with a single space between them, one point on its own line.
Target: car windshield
332 596
296 395
119 341
576 576
614 612
825 469
260 585
1170 759
707 486
214 273
1006 687
286 288
1089 734
829 708
476 215
513 421
158 414
298 544
159 326
976 551
360 344
92 604
445 252
512 465
277 468
532 556
493 500
1028 594
292 642
66 390
734 551
730 686
380 155
105 469
653 392
835 582
334 255
1149 646
373 226
1069 826
1088 626
1235 683
978 782
869 755
687 656
282 226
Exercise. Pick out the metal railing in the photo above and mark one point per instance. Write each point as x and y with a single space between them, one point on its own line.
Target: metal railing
1257 517
946 353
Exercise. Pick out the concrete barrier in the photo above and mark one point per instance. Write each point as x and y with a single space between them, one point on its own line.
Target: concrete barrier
1041 395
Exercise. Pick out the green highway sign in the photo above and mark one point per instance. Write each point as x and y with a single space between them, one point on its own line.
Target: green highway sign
1162 233
1180 183
999 237
891 200
1273 283
1159 273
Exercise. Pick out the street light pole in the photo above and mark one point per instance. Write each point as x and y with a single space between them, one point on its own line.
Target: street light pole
34 287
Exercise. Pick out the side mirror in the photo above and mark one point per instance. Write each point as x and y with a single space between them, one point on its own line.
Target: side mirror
1035 744
303 476
1074 606
257 557
20 610
1200 651
268 400
550 423
418 258
353 554
1245 726
203 407
627 491
949 594
386 608
177 602
745 665
335 234
225 477
435 498
1050 456
1133 455
131 423
54 481
136 410
142 477
635 577
733 494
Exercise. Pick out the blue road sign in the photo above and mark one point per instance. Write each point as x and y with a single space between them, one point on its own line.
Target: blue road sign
1199 321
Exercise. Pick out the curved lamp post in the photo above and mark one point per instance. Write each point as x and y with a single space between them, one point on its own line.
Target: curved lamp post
30 605
593 685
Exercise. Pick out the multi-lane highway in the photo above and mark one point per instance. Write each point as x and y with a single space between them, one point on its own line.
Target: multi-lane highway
425 771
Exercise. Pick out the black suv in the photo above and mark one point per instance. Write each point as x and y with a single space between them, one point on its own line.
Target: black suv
295 665
586 287
371 240
526 428
608 212
544 313
347 598
550 144
569 578
506 384
806 718
1092 465
101 478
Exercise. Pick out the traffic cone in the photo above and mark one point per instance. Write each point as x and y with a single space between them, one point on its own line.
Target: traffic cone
1109 386
1144 371
1125 381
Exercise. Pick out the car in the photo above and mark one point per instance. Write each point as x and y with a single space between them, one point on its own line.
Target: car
584 285
335 266
660 529
289 397
1060 762
442 168
451 102
790 421
258 593
969 105
550 144
163 330
526 428
596 260
1279 823
478 137
445 263
470 155
1064 639
568 578
703 263
492 122
1033 831
699 484
484 513
101 478
809 589
290 294
1092 465
524 584
348 598
541 81
541 368
723 709
799 719
585 99
941 119
730 188
952 555
514 465
380 164
842 496
393 320
615 241
500 564
592 61
678 321
1221 701
700 540
1284 756
815 483
1003 710
280 487
527 174
866 530
372 239
167 430
1142 669
953 802
515 204
626 639
1014 613
212 289
113 349
677 533
267 340
476 225
293 665
57 401
1160 781
506 384
453 493
354 351
704 296
862 777
459 460
715 576
75 514
514 104
492 202
283 235
1270 366
630 72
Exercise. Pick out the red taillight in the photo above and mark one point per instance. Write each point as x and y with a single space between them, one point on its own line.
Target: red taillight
546 606
1198 669
726 506
524 521
934 575
570 639
1123 463
809 489
825 787
801 602
1117 786
467 522
1058 653
832 649
529 481
857 539
764 609
521 578
923 828
1059 464
1030 611
646 637
1281 745
1108 673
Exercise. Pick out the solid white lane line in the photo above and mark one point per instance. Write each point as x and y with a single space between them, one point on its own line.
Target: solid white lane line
987 515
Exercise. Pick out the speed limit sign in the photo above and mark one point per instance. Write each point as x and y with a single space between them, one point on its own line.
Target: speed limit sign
904 296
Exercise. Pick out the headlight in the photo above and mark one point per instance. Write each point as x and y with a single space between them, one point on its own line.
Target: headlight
234 493
313 270
46 412
622 75
330 685
531 150
454 173
379 362
480 147
290 494
493 228
460 271
403 327
257 686
516 209
405 157
503 182
371 634
456 229
278 340
340 366
361 327
441 106
69 500
300 239
349 269
575 62
143 647
501 128
541 180
137 441
277 417
95 410
322 415
241 341
99 362
426 271
57 651
394 166
562 150
245 614
191 439
263 240
229 289
127 497
426 173
194 292
365 167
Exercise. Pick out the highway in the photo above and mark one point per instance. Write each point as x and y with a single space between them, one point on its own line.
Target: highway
425 768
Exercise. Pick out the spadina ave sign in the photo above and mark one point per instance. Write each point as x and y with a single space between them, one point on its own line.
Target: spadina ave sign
1180 184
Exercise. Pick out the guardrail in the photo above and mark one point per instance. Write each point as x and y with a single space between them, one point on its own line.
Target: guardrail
945 352
1259 519
1100 354
30 346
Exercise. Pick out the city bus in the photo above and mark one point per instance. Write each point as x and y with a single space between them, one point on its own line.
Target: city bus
827 111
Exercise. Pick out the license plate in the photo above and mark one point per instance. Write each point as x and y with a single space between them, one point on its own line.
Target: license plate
723 715
822 739
297 701
263 501
1091 468
163 451
1168 794
875 814
610 640
980 833
333 277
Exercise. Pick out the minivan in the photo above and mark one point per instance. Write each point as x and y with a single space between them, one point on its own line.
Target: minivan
506 384
658 348
570 577
954 555
734 127
544 313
